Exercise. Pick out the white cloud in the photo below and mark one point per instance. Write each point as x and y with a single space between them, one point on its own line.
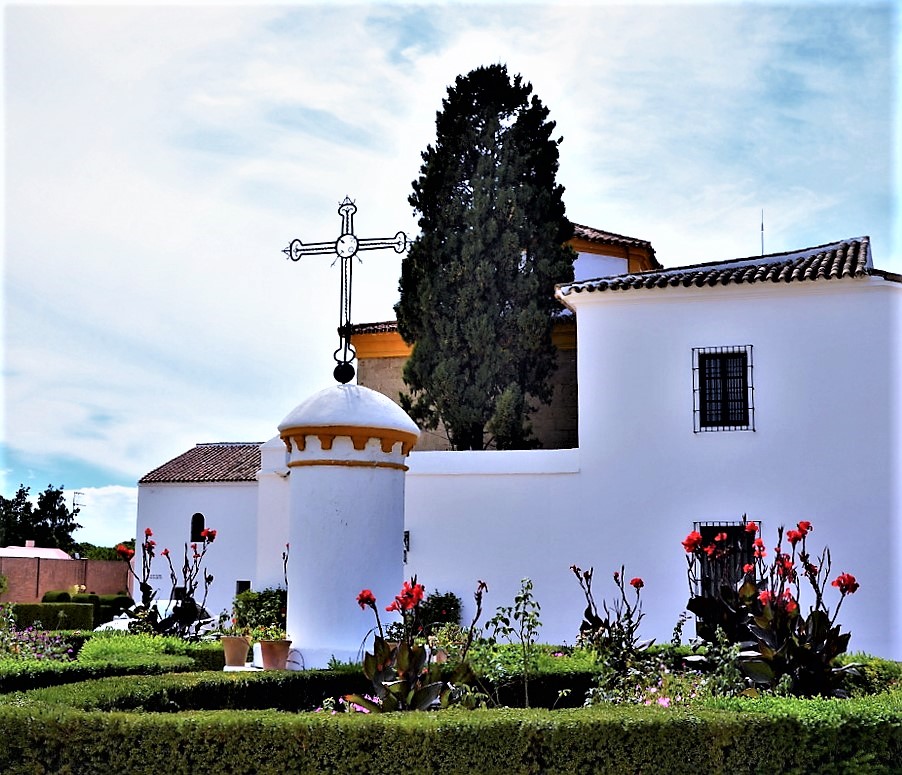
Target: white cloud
107 514
159 159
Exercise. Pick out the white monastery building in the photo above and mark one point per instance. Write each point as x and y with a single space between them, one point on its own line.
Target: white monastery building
766 386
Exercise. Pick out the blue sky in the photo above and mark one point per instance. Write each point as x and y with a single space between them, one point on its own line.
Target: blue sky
158 159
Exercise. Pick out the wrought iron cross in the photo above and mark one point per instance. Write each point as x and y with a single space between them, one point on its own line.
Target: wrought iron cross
345 248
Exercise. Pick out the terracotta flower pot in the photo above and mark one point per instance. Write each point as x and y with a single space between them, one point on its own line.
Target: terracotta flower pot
235 648
275 654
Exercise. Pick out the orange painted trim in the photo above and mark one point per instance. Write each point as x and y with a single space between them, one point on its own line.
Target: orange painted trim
638 259
581 245
348 464
385 345
359 436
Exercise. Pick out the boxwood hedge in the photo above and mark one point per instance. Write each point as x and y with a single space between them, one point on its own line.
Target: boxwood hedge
144 724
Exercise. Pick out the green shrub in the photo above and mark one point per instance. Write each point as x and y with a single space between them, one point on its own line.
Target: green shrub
258 609
114 645
41 734
57 596
22 675
871 675
439 608
54 616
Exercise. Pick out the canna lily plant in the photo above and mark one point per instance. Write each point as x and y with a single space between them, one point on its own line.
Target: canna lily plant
402 675
781 645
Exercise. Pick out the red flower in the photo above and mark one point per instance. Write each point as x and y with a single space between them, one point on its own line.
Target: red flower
794 536
751 527
805 527
785 567
150 544
766 597
846 583
123 551
692 541
710 549
211 535
748 568
616 576
165 553
759 548
720 538
789 603
411 596
148 532
811 569
637 583
366 598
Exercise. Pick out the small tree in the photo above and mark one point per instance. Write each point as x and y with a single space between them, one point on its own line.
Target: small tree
50 523
477 288
520 623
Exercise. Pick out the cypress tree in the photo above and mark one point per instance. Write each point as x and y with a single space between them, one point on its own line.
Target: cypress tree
477 288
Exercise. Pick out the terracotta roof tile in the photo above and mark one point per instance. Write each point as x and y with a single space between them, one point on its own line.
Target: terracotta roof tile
386 327
837 260
220 462
608 237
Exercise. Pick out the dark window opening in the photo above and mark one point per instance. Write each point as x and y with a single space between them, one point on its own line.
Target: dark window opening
724 567
242 586
197 527
722 388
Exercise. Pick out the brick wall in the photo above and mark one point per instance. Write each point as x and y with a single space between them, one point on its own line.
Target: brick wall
30 577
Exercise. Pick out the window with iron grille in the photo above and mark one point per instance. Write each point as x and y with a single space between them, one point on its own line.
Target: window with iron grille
722 388
725 566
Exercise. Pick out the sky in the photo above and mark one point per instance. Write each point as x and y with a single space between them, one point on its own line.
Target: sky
157 160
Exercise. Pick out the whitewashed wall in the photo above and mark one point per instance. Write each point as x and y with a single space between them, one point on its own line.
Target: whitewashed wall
229 508
826 448
272 510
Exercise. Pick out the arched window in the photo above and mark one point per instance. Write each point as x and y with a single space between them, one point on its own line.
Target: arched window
197 527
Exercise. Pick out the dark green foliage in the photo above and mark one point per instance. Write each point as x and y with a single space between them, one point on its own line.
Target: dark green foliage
400 676
56 596
39 734
50 523
477 288
55 616
89 551
439 608
258 609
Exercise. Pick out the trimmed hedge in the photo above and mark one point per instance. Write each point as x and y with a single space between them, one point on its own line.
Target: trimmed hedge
57 596
41 733
76 616
22 675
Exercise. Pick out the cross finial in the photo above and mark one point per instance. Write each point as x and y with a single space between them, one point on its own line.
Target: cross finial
345 247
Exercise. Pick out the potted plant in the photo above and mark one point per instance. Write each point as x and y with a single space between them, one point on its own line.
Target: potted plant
235 640
274 645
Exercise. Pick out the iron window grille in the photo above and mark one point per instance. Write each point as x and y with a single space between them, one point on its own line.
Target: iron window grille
723 568
727 569
722 389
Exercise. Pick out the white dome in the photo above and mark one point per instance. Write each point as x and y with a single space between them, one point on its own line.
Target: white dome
349 405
